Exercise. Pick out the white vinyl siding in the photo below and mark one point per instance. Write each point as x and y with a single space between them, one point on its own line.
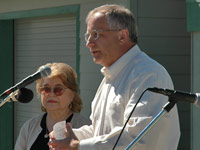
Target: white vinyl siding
39 41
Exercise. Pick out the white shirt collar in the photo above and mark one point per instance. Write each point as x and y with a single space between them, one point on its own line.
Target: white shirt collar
112 71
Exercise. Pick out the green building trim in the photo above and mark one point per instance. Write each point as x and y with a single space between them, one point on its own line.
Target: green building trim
6 77
69 9
193 15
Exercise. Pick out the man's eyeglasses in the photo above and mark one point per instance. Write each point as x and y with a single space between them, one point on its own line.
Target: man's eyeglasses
57 90
95 34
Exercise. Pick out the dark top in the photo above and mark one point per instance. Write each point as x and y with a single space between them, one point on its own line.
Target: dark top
41 143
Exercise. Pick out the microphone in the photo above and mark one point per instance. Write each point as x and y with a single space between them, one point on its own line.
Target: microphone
43 72
22 95
178 95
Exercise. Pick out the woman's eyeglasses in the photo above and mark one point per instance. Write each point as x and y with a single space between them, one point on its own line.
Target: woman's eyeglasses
57 90
95 34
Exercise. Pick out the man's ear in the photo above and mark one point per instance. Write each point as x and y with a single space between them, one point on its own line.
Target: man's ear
123 35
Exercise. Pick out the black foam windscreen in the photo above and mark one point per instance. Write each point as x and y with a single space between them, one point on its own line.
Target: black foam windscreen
24 95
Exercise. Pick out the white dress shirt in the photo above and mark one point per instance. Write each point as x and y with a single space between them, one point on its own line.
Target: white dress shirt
116 96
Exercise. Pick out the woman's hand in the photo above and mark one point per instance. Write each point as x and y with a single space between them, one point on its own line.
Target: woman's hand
71 142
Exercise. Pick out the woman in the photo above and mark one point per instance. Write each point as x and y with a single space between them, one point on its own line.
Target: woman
60 101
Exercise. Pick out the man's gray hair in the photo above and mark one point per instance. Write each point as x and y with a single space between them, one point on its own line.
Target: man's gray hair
118 17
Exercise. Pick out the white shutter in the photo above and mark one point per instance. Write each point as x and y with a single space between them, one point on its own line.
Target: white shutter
39 41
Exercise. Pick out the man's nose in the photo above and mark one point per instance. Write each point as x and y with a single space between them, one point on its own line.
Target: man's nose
90 42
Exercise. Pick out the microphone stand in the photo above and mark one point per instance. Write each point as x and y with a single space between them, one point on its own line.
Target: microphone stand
9 98
166 108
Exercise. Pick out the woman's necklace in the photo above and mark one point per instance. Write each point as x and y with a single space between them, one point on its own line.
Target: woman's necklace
46 135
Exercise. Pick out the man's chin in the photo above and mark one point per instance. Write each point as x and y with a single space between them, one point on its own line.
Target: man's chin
97 61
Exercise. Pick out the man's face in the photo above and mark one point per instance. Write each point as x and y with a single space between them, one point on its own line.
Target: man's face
105 49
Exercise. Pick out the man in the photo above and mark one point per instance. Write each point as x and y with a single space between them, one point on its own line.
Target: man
112 39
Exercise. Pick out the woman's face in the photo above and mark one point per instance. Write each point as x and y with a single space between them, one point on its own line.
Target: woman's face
55 96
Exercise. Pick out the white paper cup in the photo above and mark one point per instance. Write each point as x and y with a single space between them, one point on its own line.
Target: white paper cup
59 130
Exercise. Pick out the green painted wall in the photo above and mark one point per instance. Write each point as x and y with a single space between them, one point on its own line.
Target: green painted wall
6 81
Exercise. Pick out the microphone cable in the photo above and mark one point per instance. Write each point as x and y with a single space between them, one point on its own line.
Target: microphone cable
128 118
